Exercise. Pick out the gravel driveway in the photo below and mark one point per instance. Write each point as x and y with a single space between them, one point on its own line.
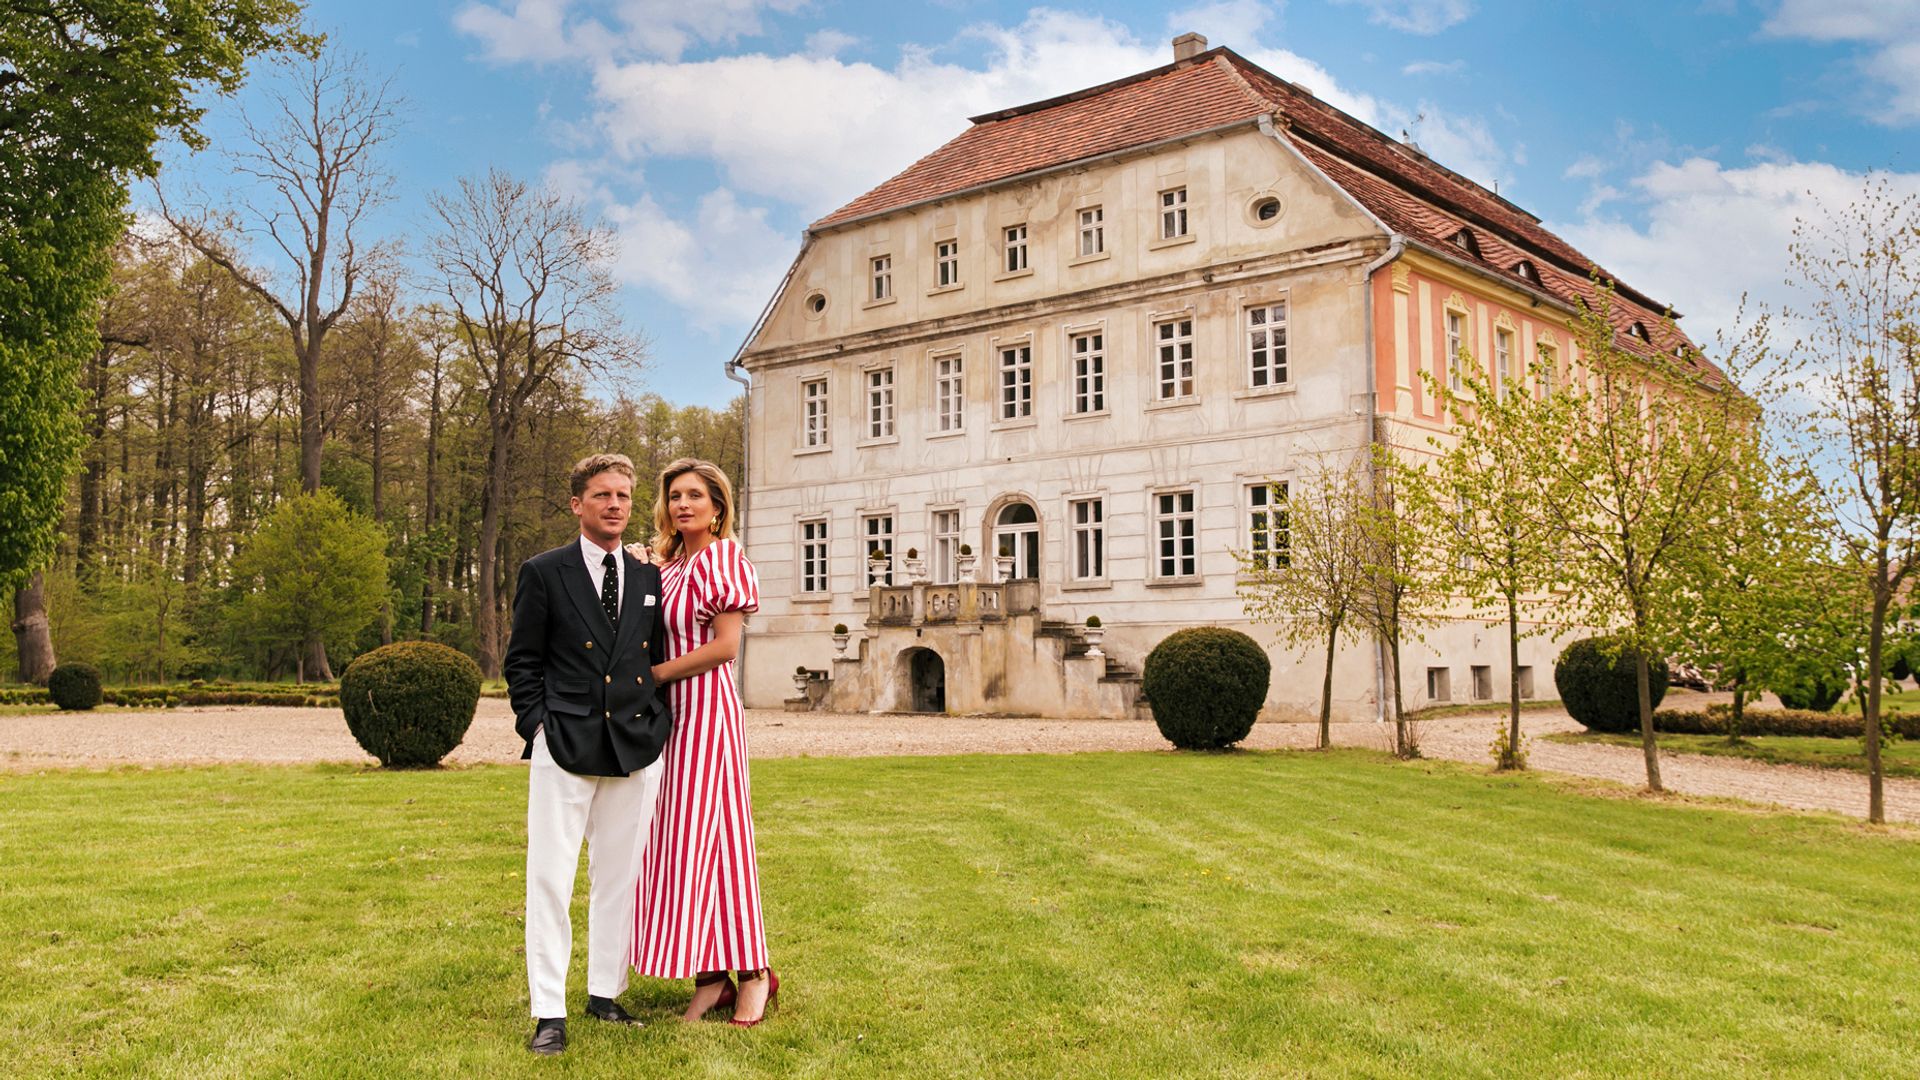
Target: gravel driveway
285 736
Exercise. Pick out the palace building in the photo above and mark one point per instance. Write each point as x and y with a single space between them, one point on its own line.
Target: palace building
1054 369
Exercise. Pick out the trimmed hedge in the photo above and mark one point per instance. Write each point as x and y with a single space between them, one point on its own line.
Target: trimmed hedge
315 696
1205 685
410 703
1824 725
74 687
1604 694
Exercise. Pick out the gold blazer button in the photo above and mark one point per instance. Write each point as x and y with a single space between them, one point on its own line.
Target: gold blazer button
589 644
609 678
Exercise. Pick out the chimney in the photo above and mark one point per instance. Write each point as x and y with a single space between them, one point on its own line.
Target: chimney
1187 46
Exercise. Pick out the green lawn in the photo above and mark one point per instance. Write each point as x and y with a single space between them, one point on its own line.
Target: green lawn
1904 699
1900 757
1085 916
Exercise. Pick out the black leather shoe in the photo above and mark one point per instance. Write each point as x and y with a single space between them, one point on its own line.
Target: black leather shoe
549 1037
609 1010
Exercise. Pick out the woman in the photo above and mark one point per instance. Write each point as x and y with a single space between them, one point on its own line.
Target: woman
699 902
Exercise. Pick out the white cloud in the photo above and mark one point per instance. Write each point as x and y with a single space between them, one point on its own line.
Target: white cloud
1233 23
1434 67
545 31
720 268
1889 29
829 42
1424 17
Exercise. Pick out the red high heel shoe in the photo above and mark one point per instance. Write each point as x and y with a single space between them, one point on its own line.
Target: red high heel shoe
728 994
773 994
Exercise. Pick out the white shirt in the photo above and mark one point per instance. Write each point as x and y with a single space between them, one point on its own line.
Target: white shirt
594 554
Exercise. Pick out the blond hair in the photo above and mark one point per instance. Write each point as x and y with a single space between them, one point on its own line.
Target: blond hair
666 538
593 465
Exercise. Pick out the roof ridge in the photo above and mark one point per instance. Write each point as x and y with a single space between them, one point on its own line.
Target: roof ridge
1239 78
1091 91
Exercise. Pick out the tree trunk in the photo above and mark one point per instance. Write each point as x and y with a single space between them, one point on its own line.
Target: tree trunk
313 657
1511 758
310 434
1401 748
1644 682
1739 708
1870 716
1326 688
428 511
87 534
32 634
486 617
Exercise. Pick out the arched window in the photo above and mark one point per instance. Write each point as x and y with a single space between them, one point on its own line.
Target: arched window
1465 242
1016 531
1526 270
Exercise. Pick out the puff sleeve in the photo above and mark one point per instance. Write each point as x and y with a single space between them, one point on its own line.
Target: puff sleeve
726 581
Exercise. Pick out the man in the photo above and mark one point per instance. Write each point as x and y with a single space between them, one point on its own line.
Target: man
586 634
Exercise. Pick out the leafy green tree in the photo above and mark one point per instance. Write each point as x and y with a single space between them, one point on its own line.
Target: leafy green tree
1306 579
1401 580
314 571
1632 459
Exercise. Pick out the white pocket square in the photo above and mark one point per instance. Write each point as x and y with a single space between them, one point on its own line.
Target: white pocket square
649 602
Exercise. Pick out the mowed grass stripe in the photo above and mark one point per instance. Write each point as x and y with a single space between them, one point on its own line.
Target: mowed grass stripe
1126 914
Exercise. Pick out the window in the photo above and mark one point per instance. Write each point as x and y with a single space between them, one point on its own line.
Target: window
1638 331
1016 248
946 546
1439 684
1089 373
1093 231
1526 680
1016 382
1545 371
813 556
1526 271
876 531
1502 360
883 277
1269 530
1175 530
1267 345
1173 350
1465 242
1482 682
1088 519
1173 213
1456 344
949 392
813 412
946 263
880 403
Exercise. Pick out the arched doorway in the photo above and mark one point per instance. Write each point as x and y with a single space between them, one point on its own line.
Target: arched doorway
927 681
1017 529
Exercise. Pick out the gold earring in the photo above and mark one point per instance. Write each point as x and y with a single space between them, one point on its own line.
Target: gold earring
714 525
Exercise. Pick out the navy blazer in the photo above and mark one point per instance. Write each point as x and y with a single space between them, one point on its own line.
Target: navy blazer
568 670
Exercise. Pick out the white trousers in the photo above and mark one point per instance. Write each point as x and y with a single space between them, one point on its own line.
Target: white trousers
614 814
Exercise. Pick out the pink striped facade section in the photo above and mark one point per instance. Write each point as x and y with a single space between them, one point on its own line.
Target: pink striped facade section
699 900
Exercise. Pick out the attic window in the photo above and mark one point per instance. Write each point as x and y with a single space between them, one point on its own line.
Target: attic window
816 303
1637 330
1465 242
1525 269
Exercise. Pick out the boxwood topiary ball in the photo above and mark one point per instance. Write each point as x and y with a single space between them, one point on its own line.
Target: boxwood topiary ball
410 703
1205 685
74 687
1814 691
1600 688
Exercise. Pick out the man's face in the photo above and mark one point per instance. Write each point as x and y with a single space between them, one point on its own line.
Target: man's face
604 507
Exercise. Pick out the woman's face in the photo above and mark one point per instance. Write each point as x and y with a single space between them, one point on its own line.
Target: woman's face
688 504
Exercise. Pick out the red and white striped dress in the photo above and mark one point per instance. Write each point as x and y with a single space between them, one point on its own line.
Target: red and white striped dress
699 902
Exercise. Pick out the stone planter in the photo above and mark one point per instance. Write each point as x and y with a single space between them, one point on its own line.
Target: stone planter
1093 634
800 681
916 571
964 567
876 572
1003 567
840 646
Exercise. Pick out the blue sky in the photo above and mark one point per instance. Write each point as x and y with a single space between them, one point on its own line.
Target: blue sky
1676 143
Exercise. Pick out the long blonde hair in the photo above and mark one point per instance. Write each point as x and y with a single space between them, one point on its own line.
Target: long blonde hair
666 538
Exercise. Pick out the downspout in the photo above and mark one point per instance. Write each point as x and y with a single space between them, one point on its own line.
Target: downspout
1397 244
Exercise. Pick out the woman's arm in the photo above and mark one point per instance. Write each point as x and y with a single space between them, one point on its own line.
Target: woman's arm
724 647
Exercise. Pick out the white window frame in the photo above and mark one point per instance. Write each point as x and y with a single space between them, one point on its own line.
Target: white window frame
814 570
1547 370
880 403
1269 523
1014 249
1087 367
1093 231
1173 213
1456 324
946 263
1502 360
1087 539
1176 534
876 530
1168 360
1266 363
949 393
1013 382
946 529
880 277
816 413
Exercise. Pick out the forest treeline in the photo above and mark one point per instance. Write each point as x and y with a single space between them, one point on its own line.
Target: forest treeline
192 421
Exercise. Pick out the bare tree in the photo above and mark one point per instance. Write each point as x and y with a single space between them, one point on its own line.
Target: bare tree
314 164
526 280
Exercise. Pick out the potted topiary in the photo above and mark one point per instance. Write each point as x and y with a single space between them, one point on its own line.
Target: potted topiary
840 636
1003 563
876 566
1093 633
964 563
801 677
916 567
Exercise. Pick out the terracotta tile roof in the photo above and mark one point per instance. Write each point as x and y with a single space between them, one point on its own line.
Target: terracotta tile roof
1409 192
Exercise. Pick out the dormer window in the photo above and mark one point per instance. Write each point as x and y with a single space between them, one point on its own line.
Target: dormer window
1465 242
1638 330
1526 270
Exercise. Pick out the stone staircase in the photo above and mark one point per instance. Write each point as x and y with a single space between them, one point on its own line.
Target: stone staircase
1075 639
